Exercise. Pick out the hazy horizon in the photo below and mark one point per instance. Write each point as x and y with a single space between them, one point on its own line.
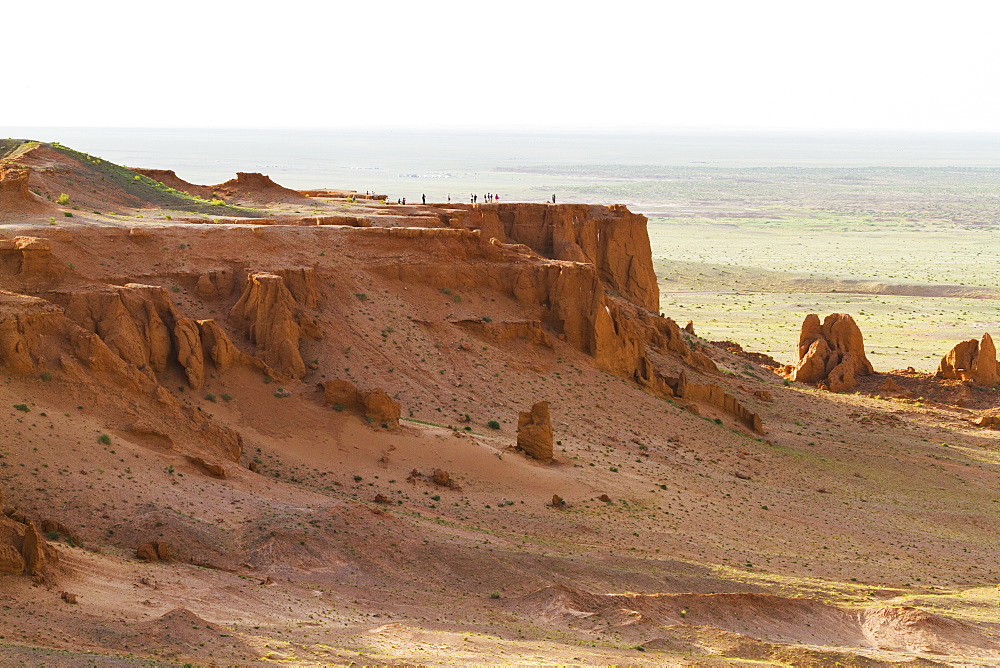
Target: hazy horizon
772 64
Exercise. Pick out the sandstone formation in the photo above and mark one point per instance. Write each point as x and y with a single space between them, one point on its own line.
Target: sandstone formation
27 264
534 432
502 333
613 239
971 360
272 319
116 336
15 194
988 421
256 187
831 354
210 468
22 548
374 404
713 395
442 478
154 551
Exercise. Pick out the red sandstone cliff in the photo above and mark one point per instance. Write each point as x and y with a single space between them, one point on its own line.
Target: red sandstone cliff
613 239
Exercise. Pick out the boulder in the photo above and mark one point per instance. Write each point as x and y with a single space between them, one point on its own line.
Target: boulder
380 407
154 551
212 469
375 404
971 360
534 432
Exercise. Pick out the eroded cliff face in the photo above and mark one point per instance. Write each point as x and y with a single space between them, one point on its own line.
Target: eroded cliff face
137 335
270 313
573 303
613 239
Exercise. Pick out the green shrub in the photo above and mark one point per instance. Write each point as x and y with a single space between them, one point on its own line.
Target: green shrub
63 199
46 376
493 424
22 407
494 594
104 439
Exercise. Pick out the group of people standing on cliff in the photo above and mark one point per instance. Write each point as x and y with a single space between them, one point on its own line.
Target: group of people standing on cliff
489 198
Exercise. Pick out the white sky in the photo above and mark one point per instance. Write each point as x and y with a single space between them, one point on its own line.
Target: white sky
906 65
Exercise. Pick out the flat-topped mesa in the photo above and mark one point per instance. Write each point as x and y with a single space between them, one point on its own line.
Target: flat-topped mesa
971 360
612 238
830 354
256 186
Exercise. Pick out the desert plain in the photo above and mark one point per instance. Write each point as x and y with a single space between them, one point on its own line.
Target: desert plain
245 424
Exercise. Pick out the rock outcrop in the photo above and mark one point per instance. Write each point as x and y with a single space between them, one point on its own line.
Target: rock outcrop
36 337
224 354
273 319
971 360
15 196
534 432
712 395
154 551
256 187
210 468
22 548
141 326
613 239
502 333
831 354
374 404
572 304
29 262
